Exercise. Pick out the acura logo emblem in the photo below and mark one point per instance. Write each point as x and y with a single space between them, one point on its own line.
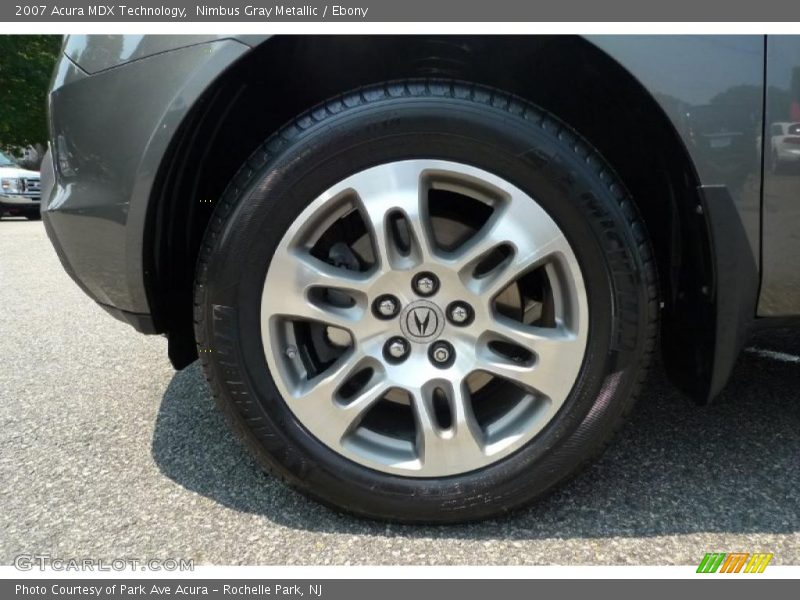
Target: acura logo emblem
422 321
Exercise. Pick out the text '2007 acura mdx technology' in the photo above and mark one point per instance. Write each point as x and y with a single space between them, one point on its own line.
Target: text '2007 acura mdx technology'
425 275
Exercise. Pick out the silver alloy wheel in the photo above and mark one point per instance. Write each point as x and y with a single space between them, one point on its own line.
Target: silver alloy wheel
333 399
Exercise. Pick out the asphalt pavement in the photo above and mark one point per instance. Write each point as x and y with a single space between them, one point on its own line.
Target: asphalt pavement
107 452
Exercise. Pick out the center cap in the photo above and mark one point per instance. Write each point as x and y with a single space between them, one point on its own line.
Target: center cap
422 321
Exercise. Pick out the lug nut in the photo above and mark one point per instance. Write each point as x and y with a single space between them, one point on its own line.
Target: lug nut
425 284
396 349
460 313
442 354
386 306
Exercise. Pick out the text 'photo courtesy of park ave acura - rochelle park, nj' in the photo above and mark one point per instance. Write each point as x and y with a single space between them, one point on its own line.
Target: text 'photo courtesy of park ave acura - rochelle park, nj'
391 301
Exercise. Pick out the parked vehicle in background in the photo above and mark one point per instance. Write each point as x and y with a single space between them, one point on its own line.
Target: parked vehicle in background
425 275
784 145
20 190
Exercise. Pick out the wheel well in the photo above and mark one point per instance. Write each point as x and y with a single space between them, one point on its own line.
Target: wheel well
286 75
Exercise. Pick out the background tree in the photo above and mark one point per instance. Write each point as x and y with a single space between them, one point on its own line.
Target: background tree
26 64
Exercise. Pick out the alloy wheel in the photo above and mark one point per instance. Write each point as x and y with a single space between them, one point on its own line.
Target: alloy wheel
424 318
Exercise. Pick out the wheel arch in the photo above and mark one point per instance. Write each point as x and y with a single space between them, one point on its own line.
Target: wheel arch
569 76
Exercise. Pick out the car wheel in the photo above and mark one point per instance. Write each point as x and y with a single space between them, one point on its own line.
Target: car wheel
426 302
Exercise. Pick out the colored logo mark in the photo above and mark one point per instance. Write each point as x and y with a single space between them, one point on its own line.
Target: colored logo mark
734 562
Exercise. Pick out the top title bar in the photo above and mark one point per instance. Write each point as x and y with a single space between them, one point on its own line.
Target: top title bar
467 11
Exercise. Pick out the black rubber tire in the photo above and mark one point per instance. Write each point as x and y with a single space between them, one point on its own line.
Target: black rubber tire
443 120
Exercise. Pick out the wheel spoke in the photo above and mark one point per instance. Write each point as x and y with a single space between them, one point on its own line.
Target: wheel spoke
532 243
461 442
550 344
324 385
554 350
526 257
304 310
322 407
300 273
494 233
395 189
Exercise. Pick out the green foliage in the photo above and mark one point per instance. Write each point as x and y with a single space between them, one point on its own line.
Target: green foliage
26 63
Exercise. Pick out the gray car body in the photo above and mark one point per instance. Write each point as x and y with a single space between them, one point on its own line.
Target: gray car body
117 103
